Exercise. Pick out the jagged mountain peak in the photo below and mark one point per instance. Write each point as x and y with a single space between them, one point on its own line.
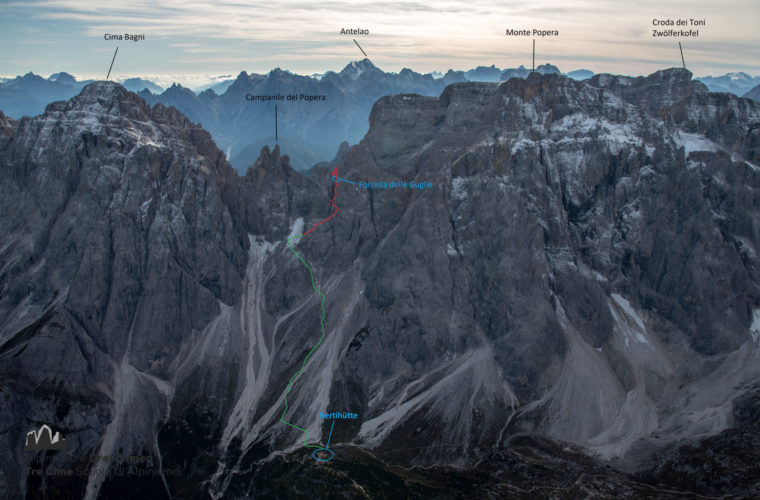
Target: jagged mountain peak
282 77
681 74
279 72
522 72
63 77
652 92
176 87
104 88
243 83
270 159
357 68
177 93
452 76
663 75
29 80
107 108
537 83
343 149
104 98
241 79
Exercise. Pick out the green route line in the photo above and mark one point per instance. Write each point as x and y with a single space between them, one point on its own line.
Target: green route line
303 365
321 319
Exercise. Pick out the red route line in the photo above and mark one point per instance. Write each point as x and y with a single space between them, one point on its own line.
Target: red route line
332 202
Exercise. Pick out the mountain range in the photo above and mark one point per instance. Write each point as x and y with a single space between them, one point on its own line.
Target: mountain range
312 131
139 84
560 298
351 92
29 94
738 83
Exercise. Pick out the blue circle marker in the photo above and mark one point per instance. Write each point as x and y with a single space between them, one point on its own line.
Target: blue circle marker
321 459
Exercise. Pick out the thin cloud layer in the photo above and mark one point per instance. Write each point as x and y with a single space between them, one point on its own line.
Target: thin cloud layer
222 36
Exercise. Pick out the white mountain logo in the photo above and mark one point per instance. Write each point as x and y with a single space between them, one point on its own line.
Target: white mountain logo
44 439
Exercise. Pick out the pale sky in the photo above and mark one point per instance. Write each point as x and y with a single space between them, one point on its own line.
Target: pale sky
186 38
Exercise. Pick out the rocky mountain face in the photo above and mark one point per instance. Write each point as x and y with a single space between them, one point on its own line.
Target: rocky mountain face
572 299
107 207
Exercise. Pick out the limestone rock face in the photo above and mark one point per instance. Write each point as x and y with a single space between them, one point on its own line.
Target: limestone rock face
576 260
117 249
7 125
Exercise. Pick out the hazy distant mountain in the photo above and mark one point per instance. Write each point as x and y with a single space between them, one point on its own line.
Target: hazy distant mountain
452 76
580 74
753 94
63 78
317 126
523 72
484 74
548 69
357 87
219 87
313 130
29 94
138 84
736 83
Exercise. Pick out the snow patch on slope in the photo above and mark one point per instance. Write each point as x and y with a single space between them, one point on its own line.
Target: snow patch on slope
754 329
296 229
458 191
694 142
579 127
629 324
